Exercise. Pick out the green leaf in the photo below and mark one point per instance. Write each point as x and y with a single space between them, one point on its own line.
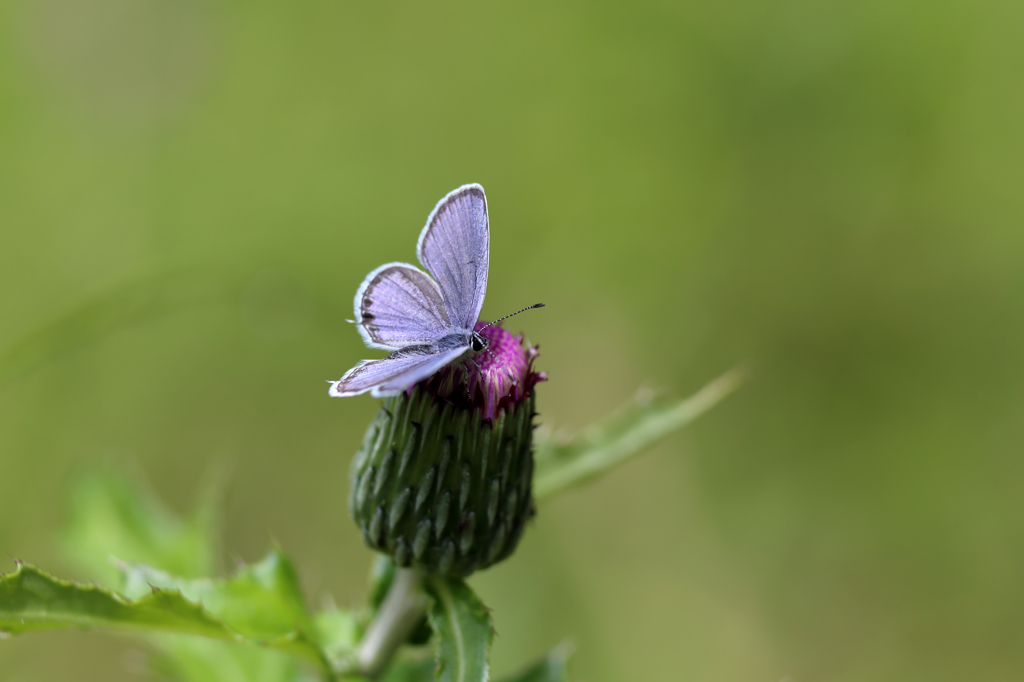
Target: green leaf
33 600
562 463
338 634
261 602
463 624
195 659
410 669
115 515
551 668
382 574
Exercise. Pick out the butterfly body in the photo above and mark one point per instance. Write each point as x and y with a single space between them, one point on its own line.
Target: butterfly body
426 321
472 344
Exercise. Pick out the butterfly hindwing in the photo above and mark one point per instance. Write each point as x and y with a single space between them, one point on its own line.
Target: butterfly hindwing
392 375
455 248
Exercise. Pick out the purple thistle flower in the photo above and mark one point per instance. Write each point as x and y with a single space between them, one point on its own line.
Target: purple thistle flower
499 378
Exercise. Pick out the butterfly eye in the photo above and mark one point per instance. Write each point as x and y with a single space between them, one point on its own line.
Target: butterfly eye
479 342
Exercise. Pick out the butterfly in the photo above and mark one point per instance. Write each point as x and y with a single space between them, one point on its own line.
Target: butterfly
427 321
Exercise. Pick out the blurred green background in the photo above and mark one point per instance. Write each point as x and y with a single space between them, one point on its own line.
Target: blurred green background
828 190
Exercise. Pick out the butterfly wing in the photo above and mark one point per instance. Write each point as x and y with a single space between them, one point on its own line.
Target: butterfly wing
399 305
455 248
393 374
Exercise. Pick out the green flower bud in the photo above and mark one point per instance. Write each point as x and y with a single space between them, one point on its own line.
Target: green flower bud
443 477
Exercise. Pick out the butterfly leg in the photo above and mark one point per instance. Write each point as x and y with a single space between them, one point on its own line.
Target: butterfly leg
479 370
469 396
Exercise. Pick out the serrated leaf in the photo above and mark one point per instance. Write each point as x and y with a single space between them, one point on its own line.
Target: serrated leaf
338 634
195 659
261 602
114 515
410 669
33 600
551 668
463 625
562 463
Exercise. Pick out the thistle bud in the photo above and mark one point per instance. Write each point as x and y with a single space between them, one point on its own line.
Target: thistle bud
443 477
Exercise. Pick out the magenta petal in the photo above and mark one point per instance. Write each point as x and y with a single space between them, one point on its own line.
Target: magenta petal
498 377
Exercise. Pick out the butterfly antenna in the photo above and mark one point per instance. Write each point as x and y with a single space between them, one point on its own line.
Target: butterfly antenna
529 307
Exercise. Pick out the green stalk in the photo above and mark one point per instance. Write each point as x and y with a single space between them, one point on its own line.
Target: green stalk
403 608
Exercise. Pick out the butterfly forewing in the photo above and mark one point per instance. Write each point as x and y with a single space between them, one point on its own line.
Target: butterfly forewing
399 305
393 374
454 247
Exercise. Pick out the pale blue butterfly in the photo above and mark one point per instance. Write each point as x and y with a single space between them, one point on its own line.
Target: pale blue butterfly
426 323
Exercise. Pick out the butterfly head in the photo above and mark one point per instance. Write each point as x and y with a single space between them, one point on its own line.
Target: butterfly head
479 342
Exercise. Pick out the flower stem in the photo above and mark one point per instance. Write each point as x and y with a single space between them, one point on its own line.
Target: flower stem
401 611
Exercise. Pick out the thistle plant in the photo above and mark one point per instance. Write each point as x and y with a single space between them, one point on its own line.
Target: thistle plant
447 479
